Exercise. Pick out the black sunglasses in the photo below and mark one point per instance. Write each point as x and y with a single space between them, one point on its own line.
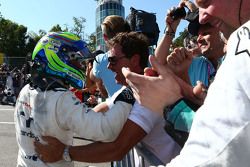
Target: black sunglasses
114 59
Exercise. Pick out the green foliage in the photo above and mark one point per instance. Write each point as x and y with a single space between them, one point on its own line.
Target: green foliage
15 41
56 28
0 14
178 42
12 38
78 27
92 42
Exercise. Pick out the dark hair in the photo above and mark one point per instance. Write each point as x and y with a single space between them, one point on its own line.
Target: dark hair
132 43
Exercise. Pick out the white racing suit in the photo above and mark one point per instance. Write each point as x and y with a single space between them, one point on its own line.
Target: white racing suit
60 114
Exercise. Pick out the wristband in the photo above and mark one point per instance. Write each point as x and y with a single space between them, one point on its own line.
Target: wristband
171 34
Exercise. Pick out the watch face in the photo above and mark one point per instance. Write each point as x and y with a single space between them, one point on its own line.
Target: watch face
66 155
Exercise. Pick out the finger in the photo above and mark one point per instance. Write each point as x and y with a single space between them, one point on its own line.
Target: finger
40 157
200 90
38 147
182 55
132 77
150 72
134 88
161 69
189 54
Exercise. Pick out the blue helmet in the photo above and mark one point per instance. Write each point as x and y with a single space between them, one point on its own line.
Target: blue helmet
60 55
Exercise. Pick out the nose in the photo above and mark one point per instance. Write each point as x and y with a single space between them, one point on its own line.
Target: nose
199 38
203 16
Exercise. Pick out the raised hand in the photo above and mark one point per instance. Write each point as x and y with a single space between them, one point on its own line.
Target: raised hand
179 61
154 92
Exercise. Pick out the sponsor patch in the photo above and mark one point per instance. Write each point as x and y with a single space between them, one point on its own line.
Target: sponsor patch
243 41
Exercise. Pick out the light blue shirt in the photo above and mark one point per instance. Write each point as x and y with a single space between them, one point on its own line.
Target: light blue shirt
101 71
200 70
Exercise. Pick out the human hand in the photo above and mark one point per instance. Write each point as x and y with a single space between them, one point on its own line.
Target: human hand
154 92
50 152
179 61
92 100
171 24
200 91
149 71
189 4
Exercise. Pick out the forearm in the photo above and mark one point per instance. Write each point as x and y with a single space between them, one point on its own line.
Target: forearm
102 107
96 152
162 50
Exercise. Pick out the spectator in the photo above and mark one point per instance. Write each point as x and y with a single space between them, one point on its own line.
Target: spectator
127 50
46 106
212 47
111 25
9 92
220 132
190 43
197 68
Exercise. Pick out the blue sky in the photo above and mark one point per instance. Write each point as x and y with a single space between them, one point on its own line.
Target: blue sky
44 14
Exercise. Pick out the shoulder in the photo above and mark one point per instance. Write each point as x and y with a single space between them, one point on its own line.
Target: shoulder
126 95
239 41
102 57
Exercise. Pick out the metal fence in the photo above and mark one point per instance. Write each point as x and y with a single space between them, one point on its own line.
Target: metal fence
139 156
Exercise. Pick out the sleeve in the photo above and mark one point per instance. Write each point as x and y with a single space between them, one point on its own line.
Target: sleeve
143 117
96 66
198 71
73 115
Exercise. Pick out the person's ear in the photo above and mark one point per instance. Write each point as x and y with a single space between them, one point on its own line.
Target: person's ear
135 59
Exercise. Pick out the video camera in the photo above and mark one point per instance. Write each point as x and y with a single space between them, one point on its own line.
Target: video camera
178 13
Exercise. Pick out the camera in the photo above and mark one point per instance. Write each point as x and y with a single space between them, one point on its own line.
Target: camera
177 13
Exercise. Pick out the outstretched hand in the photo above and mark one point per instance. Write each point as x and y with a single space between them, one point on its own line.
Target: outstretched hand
154 92
50 152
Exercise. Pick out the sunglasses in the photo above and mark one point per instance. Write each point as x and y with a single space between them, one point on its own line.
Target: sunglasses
114 59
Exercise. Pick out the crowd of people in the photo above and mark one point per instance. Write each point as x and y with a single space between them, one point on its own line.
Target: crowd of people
11 82
189 108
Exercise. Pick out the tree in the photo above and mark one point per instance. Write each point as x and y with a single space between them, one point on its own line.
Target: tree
78 27
91 42
178 42
32 39
12 39
56 28
0 14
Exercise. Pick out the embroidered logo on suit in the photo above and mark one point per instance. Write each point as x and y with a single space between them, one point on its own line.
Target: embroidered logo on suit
244 40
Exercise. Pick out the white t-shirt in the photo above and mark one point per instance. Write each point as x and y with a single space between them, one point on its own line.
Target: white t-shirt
220 133
60 114
157 140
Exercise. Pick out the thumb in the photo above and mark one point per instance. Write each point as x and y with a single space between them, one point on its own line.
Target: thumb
200 90
131 76
161 69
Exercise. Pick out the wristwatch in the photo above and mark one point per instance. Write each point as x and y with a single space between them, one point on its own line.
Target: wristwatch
66 155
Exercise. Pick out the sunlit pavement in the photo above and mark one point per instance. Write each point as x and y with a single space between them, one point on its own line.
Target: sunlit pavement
8 145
